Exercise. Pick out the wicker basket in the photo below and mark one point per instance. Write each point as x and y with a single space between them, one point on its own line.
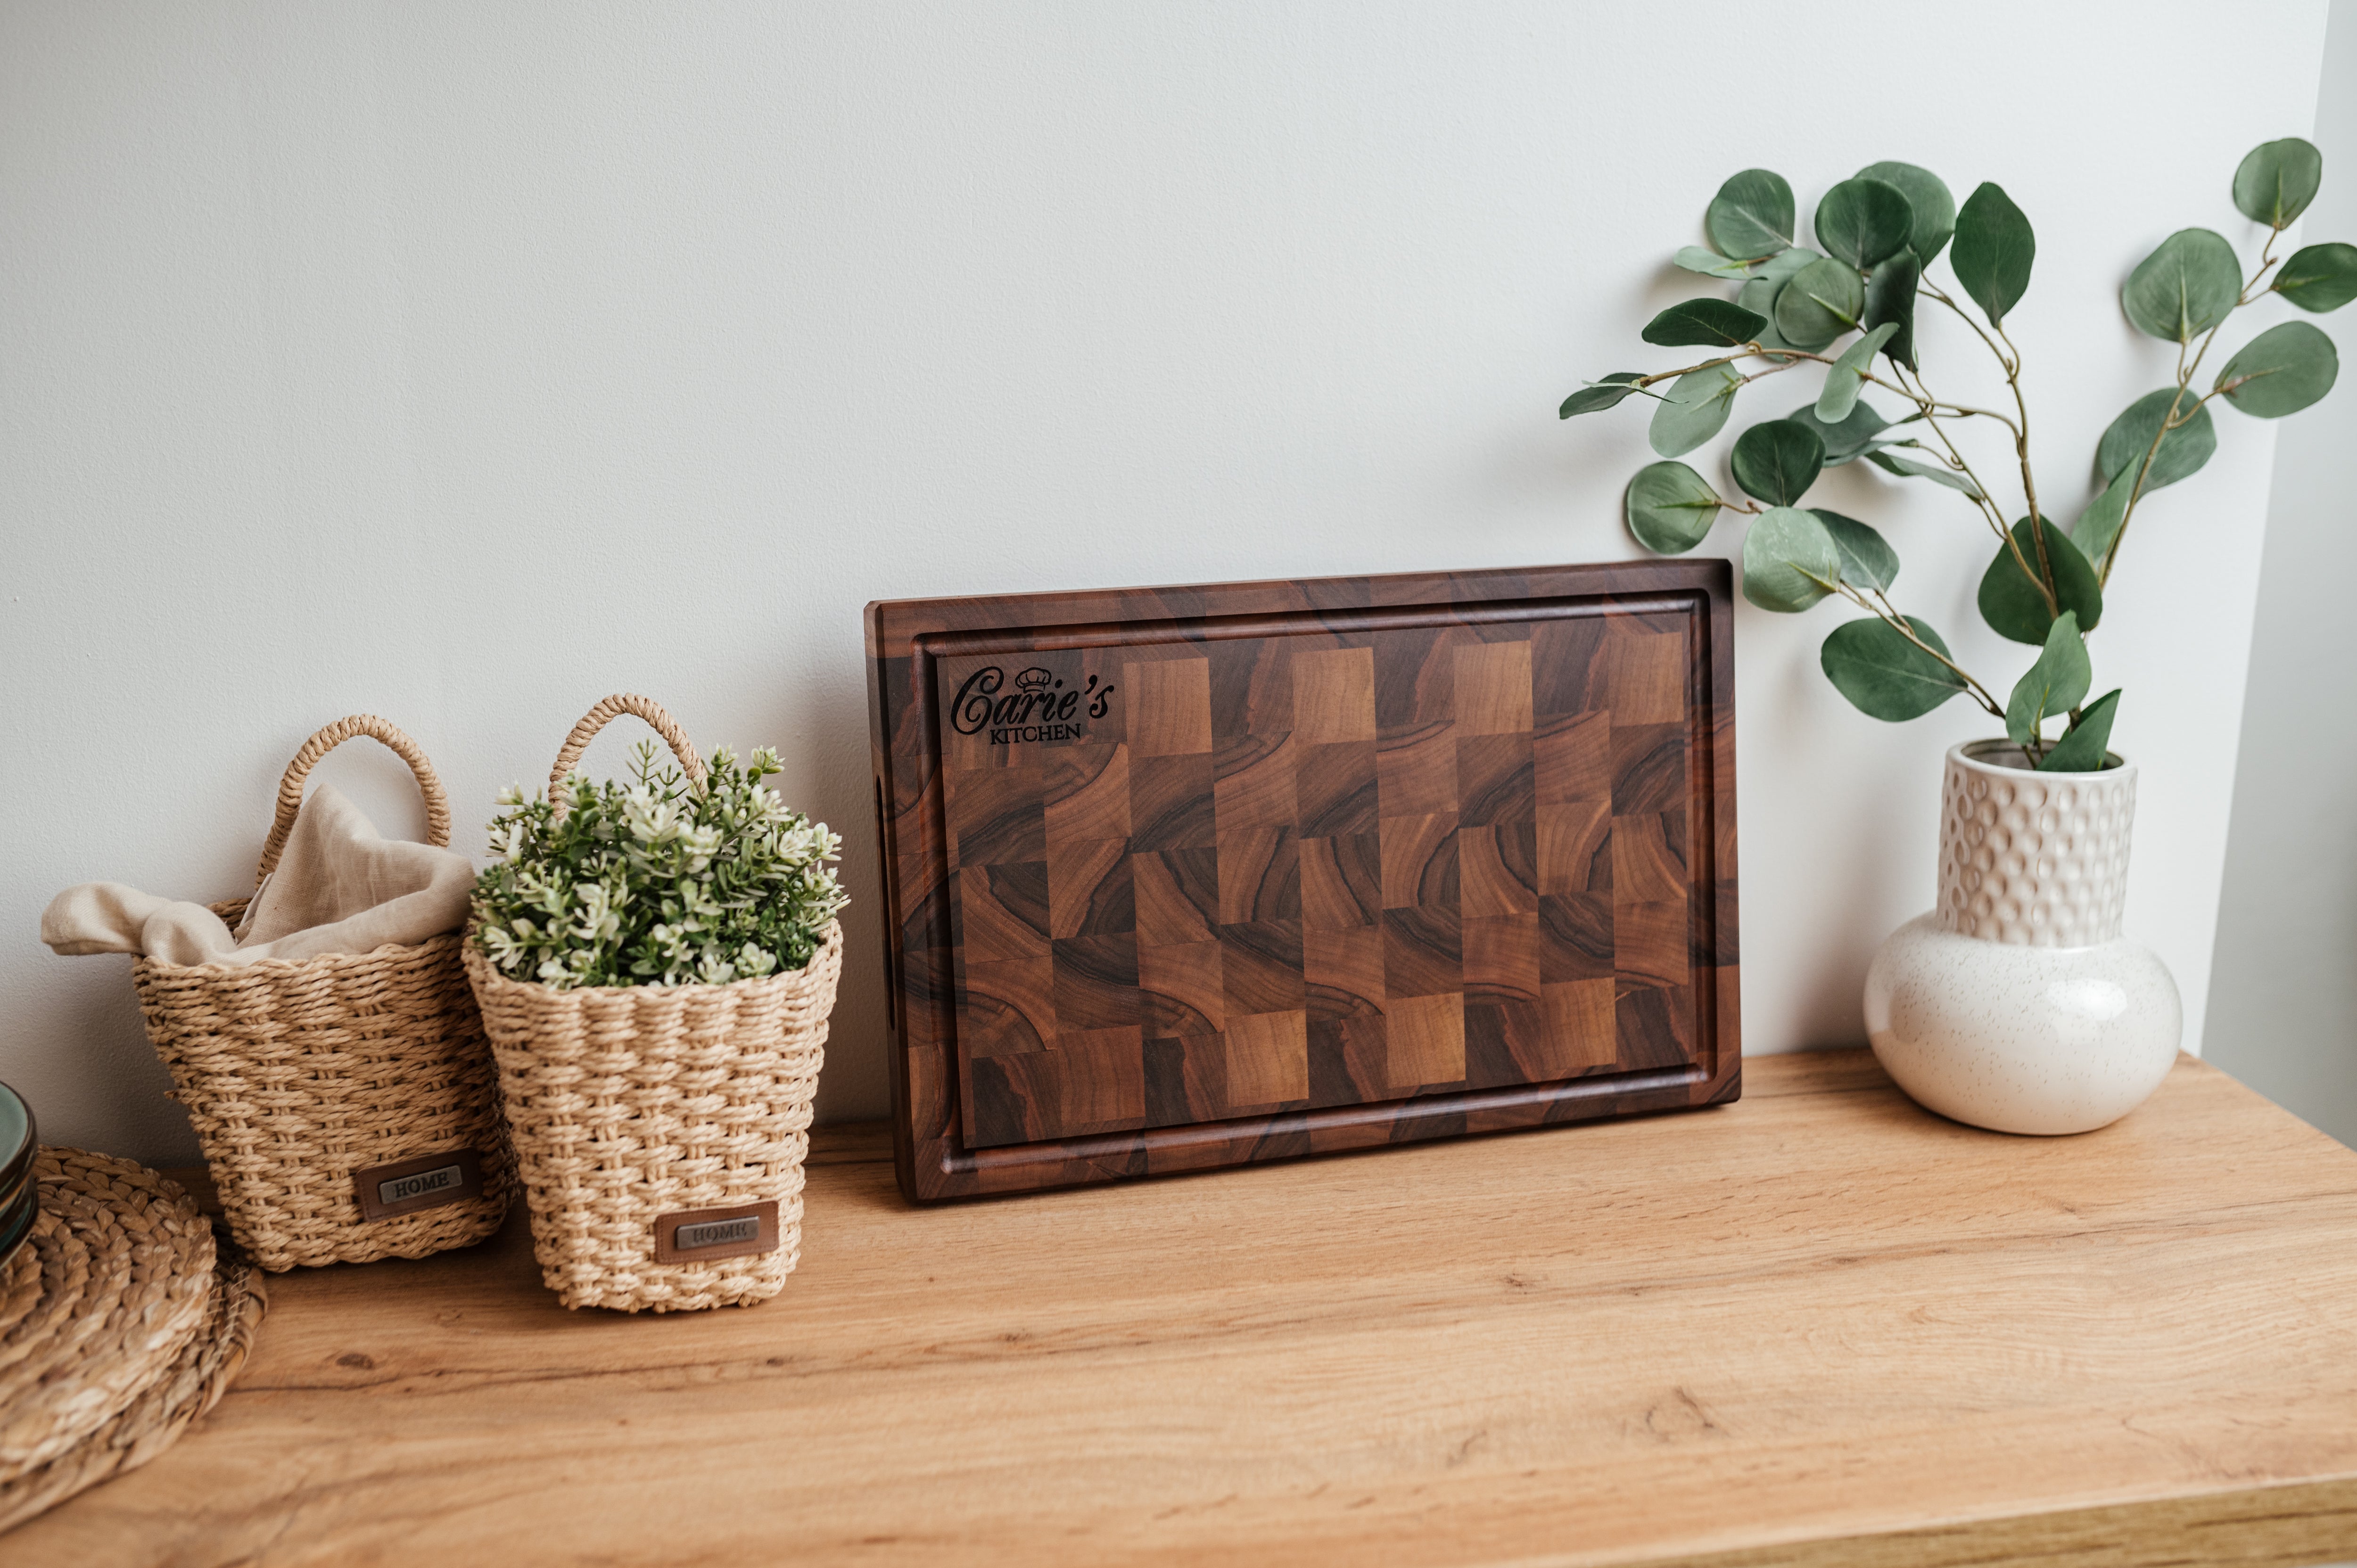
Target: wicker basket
659 1130
347 1103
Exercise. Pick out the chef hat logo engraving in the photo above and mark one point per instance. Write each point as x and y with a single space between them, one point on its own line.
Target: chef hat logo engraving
1033 679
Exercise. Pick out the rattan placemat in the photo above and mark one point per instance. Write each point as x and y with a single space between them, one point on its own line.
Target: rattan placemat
127 1276
45 1326
195 1381
20 1287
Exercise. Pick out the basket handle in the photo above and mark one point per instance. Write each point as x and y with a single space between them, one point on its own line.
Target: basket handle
595 719
290 787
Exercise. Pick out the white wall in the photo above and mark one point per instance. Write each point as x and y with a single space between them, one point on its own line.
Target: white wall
2283 1009
466 362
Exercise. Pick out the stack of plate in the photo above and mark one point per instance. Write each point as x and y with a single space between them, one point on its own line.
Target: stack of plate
20 1195
122 1320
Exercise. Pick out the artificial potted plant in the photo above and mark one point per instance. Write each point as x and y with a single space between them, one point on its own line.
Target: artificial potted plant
2016 1004
656 963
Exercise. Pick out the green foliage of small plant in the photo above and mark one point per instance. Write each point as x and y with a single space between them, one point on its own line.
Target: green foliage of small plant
659 882
1880 231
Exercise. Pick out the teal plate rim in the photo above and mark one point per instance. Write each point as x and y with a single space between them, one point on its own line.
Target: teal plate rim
20 1193
19 1136
16 1221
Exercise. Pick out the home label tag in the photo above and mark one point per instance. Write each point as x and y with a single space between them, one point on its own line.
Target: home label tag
706 1235
401 1190
408 1187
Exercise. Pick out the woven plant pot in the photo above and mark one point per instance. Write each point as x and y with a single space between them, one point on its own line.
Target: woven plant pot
659 1130
347 1103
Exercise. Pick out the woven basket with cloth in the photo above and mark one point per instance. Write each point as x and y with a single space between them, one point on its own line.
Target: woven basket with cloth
321 1033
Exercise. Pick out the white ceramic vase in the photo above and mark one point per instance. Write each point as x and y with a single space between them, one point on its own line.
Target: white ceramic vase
2017 1004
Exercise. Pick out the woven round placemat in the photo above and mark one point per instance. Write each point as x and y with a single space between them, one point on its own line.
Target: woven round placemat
45 1278
194 1383
127 1276
20 1285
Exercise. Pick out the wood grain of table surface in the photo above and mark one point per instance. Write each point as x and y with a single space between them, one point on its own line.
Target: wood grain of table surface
1817 1326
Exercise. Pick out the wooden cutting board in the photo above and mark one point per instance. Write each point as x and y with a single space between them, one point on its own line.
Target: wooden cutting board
1186 877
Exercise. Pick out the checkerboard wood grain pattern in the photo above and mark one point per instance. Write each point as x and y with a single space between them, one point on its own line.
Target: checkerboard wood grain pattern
1184 877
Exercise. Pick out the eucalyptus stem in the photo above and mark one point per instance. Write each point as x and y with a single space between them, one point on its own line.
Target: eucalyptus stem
2185 374
1900 624
1936 292
2043 578
2008 358
2021 432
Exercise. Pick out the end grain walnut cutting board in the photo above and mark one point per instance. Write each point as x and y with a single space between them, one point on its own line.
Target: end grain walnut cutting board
1188 878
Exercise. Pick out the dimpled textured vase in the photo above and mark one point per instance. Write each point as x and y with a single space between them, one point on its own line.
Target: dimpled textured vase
2017 1004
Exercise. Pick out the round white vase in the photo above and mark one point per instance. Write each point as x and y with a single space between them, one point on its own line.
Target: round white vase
2017 1004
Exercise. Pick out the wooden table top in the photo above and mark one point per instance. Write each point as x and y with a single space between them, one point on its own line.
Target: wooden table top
1817 1327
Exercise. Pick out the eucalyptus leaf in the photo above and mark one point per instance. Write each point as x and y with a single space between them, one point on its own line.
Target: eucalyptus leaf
1848 375
2182 451
1669 508
1849 438
1790 562
1928 198
2100 523
2276 181
1606 391
2055 684
1884 676
2012 604
1788 263
1758 297
1994 248
1776 460
2281 371
1863 220
1891 299
1866 559
1694 409
1759 294
1907 467
1710 263
1751 216
1703 323
2185 287
2083 749
2320 277
1823 301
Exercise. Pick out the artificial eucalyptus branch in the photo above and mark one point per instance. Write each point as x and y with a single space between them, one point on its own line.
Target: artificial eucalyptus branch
1880 230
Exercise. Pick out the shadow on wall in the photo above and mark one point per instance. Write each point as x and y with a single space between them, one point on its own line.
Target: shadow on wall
2283 999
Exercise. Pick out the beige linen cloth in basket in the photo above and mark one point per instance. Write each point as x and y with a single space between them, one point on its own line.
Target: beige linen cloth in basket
339 888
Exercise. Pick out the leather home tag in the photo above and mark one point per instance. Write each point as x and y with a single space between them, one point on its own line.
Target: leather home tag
706 1235
429 1181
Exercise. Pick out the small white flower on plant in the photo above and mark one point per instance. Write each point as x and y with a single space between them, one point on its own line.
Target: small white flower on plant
701 845
597 922
650 820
